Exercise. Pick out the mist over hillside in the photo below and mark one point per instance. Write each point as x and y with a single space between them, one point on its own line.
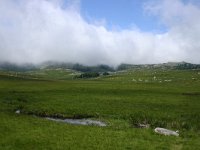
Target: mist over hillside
41 30
98 68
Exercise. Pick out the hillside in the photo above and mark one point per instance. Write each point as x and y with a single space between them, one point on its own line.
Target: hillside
123 100
99 68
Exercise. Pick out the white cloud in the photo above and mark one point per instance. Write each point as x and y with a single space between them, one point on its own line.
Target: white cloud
42 30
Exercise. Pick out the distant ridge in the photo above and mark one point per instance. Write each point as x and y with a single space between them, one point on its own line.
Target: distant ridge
55 65
16 67
98 68
169 65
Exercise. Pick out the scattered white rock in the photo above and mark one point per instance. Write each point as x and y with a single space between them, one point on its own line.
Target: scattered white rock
166 131
140 80
143 125
168 80
17 111
134 80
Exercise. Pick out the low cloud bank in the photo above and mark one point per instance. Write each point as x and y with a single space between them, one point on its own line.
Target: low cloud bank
41 30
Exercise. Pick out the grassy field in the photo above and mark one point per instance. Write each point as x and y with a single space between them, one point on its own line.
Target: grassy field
161 98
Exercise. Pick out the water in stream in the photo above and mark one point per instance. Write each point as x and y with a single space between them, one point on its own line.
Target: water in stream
79 121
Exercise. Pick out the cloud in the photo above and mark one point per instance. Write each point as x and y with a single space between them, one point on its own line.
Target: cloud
183 22
42 30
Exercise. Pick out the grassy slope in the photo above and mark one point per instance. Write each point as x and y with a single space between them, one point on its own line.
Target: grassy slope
116 99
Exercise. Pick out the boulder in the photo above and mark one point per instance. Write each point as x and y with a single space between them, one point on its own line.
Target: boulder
17 111
166 131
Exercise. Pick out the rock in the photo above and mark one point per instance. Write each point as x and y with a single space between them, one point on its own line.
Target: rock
154 77
142 125
134 80
168 80
17 111
166 131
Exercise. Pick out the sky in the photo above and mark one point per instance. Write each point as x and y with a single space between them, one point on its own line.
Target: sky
93 32
121 14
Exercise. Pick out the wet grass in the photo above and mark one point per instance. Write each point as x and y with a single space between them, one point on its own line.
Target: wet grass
115 99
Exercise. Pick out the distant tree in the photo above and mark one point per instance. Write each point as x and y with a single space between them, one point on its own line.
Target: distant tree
106 73
188 66
89 75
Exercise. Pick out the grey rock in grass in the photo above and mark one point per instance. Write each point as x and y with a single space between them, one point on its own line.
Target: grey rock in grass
139 125
17 111
166 131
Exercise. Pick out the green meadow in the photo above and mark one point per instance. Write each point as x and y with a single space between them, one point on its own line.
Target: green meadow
160 98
